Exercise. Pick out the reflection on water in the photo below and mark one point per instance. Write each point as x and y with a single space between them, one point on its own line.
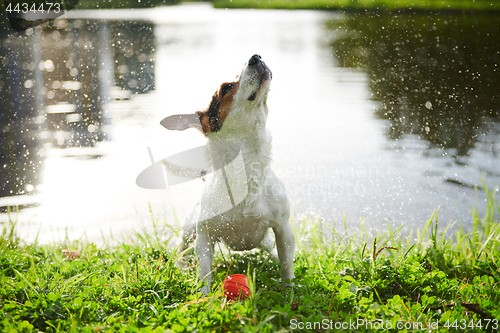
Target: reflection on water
20 111
374 116
56 81
436 76
433 79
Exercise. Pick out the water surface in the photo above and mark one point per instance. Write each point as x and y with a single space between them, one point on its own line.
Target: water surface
375 118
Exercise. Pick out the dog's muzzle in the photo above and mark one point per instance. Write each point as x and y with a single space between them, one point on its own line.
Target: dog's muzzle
260 67
262 72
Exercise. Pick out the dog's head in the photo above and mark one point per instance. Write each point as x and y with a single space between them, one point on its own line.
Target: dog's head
246 93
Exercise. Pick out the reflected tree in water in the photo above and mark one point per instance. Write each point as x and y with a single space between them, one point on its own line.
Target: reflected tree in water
436 76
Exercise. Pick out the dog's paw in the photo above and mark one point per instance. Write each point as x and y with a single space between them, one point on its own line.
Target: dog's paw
205 289
287 284
181 263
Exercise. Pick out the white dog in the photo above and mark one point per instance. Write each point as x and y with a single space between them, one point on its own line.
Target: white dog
240 148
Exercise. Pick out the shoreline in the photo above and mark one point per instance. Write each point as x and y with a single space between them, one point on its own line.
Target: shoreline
382 7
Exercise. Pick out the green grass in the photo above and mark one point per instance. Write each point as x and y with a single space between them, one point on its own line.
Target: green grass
429 278
362 4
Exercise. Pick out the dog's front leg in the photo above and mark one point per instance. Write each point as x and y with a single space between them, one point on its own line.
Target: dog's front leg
285 243
188 234
204 252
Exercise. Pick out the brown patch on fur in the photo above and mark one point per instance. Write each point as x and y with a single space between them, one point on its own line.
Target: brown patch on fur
226 102
213 117
205 123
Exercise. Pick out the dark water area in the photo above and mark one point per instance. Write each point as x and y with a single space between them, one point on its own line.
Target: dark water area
380 118
434 79
436 76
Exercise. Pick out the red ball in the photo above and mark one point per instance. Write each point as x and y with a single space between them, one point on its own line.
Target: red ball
236 287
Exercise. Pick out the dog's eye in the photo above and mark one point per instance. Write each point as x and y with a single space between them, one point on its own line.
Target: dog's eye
225 89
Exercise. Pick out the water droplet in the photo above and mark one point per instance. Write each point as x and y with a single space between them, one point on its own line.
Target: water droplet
28 84
48 65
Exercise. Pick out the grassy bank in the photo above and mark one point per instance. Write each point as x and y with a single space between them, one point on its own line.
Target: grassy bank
355 282
379 5
116 4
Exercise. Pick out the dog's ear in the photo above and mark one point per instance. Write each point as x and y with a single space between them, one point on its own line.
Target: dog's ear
181 122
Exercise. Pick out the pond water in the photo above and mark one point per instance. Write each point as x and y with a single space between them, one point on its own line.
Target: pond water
375 118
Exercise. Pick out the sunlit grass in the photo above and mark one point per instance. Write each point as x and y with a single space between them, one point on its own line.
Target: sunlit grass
425 278
361 4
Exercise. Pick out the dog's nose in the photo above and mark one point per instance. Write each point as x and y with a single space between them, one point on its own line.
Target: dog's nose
254 60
